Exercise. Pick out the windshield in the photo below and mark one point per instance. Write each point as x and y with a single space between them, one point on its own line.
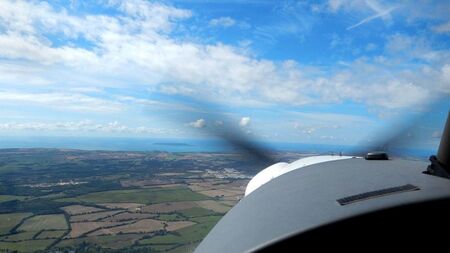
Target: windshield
135 125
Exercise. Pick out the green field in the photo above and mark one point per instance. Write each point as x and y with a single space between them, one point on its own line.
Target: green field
206 219
18 237
4 198
41 222
107 241
190 234
170 217
36 185
10 220
25 246
51 234
142 196
196 212
170 239
184 249
49 196
162 247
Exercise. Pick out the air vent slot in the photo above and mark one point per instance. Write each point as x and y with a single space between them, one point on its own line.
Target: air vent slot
376 194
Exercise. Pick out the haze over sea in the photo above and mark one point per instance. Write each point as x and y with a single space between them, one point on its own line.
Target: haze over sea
176 145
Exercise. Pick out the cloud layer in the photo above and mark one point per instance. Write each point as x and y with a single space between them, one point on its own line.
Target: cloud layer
137 46
64 59
84 126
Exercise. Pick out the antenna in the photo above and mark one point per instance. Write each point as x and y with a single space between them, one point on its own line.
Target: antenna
440 164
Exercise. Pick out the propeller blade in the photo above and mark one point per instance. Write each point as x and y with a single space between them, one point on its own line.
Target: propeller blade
244 143
217 124
397 137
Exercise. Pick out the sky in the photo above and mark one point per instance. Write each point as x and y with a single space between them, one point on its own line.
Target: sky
293 71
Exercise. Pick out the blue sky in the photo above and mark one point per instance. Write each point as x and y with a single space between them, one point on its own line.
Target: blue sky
296 71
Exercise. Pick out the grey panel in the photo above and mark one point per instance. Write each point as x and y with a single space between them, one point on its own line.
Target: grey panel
306 198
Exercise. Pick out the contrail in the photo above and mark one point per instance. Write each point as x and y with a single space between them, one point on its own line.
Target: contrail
368 19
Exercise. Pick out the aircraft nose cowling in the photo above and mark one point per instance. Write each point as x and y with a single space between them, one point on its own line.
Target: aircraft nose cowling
264 176
281 168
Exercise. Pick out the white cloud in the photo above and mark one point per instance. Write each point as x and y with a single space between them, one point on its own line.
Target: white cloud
19 74
345 128
371 47
316 124
445 74
60 101
372 9
435 10
408 11
17 46
150 104
442 28
218 123
327 137
436 134
347 5
245 121
79 126
337 118
305 129
200 123
135 49
337 41
222 21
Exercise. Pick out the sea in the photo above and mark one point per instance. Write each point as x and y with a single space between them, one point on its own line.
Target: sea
183 145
